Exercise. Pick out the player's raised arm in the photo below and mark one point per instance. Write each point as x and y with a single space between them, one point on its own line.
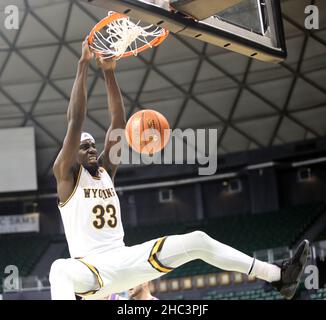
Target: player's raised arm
67 158
116 110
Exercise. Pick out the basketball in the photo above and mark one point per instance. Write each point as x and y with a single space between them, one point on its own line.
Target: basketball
147 131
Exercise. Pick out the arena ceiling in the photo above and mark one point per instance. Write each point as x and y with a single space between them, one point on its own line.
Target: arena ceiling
195 85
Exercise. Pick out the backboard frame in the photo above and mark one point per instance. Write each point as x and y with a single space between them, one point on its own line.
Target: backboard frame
230 37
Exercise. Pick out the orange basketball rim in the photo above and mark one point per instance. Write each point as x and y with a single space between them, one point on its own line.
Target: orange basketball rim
116 36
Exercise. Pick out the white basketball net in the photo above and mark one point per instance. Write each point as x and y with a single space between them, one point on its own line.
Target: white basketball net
123 35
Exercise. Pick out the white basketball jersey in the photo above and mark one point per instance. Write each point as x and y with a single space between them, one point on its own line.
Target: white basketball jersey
91 216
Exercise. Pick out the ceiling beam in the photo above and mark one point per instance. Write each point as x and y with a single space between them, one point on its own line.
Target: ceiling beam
136 102
235 102
54 61
191 87
36 122
247 87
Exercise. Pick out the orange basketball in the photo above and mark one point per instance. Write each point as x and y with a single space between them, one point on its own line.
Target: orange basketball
147 131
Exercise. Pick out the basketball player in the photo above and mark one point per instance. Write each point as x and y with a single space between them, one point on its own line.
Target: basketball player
100 262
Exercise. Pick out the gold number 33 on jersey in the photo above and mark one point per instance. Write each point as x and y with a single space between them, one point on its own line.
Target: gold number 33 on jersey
100 218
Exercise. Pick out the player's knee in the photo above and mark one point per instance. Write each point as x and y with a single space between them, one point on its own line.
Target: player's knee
58 269
199 236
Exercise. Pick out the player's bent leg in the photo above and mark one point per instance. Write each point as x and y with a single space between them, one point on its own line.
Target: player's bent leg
68 276
180 249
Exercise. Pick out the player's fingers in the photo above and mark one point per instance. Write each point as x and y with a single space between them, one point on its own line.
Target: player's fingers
85 42
98 61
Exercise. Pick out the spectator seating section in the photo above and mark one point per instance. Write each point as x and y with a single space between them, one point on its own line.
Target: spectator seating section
319 294
256 294
22 250
264 292
247 233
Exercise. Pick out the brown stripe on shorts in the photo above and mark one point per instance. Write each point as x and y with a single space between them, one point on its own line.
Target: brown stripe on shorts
97 275
153 259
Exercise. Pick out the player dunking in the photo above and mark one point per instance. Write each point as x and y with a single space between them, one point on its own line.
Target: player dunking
100 263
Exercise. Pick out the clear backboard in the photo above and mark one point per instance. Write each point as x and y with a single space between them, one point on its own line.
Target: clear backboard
250 27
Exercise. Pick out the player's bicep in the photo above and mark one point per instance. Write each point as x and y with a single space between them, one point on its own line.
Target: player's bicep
67 157
111 155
